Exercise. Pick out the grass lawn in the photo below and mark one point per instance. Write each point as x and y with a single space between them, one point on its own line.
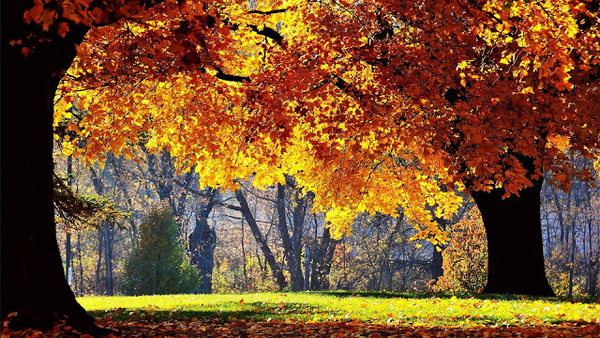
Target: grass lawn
377 308
336 314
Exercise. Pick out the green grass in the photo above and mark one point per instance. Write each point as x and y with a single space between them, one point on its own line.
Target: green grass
393 308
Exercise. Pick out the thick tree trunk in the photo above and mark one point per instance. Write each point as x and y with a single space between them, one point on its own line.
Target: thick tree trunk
307 259
301 205
33 280
515 248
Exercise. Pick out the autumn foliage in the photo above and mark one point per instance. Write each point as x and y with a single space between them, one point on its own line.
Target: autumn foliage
350 98
465 257
277 328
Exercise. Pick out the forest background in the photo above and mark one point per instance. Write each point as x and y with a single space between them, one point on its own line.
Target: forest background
379 253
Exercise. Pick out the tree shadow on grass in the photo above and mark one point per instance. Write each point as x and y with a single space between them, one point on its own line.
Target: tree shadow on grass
256 311
445 295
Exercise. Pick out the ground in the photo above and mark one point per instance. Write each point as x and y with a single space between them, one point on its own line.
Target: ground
336 314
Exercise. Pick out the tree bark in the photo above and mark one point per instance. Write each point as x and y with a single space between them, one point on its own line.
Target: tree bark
515 248
437 263
307 259
301 205
203 241
322 262
33 280
108 259
291 244
288 247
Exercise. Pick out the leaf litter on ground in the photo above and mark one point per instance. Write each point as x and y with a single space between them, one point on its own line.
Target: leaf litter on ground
335 314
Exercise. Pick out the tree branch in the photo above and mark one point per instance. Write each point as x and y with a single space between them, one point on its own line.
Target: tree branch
233 78
274 11
268 32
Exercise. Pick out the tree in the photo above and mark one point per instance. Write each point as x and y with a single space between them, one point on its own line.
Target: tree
203 239
158 264
322 258
291 228
475 96
33 281
260 240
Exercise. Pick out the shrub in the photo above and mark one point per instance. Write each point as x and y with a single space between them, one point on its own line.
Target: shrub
465 257
158 263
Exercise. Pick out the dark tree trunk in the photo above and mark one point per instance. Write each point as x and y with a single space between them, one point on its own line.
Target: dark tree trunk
437 263
291 247
437 260
203 241
515 248
301 205
33 280
260 240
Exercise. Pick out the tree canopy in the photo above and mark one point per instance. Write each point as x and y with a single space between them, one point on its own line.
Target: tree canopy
370 105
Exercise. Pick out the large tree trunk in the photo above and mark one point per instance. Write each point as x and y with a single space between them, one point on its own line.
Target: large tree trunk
301 207
33 280
515 248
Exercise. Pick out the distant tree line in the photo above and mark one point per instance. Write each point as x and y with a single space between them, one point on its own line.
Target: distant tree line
254 240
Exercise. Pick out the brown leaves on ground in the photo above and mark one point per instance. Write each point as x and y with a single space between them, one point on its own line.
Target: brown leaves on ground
289 328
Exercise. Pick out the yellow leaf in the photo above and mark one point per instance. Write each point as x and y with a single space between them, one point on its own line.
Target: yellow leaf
67 148
527 90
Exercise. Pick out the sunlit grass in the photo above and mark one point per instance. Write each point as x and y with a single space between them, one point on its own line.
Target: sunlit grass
393 308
